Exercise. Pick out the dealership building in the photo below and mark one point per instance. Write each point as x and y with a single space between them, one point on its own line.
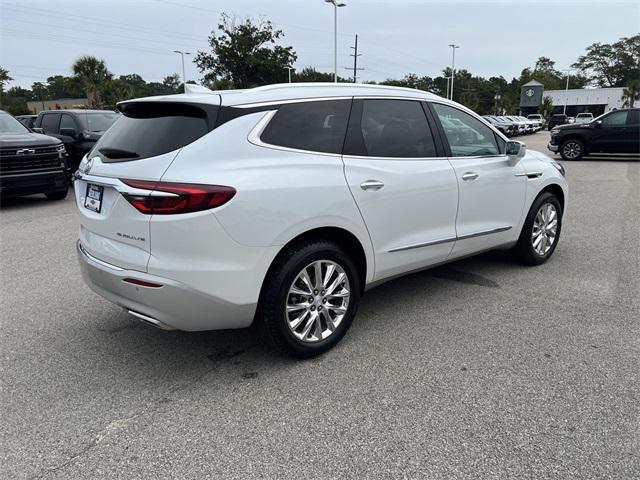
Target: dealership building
576 100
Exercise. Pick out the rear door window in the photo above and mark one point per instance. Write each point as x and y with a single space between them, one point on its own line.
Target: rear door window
396 129
149 129
50 122
313 126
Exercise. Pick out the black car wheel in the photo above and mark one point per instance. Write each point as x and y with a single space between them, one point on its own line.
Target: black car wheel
310 298
541 230
572 149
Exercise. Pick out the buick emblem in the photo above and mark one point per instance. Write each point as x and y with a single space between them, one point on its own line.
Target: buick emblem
26 151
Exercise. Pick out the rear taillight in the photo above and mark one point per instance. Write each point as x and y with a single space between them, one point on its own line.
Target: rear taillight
179 198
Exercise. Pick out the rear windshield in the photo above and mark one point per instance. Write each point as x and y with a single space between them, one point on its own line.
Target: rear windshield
149 129
97 121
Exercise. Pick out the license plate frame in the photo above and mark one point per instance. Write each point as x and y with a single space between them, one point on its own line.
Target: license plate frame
93 197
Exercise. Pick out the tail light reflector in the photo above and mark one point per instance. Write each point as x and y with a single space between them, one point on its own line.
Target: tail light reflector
180 198
142 283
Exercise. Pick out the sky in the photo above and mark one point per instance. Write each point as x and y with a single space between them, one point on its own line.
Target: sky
41 38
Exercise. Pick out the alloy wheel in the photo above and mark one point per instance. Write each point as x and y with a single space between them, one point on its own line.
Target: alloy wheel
571 150
317 301
545 229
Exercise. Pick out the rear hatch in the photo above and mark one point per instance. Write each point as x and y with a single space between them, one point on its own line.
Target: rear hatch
138 148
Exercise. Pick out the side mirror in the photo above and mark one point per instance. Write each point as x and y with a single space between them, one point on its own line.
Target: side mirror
515 151
37 130
69 132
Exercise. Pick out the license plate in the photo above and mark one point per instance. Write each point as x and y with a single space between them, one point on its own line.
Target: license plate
93 199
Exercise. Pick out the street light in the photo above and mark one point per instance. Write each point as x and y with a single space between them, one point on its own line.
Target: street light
335 4
453 65
184 79
566 92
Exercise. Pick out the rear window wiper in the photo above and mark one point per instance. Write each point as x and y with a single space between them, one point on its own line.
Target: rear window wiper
117 153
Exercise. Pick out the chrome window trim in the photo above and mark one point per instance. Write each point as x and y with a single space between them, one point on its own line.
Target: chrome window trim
448 240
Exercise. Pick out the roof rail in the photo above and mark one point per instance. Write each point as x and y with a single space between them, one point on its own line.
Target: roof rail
192 89
278 86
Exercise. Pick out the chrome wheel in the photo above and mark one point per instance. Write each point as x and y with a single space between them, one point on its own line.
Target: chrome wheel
317 301
545 229
571 150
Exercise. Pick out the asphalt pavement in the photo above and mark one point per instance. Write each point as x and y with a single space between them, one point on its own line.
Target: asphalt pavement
481 369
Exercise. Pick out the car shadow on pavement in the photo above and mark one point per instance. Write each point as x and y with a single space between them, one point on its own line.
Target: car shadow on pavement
178 351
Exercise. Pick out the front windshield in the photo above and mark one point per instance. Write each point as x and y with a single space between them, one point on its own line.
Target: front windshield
98 121
8 124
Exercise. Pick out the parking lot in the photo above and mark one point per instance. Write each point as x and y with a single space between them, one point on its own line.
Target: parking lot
478 369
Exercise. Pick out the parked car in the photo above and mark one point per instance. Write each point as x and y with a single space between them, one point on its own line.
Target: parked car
533 126
584 117
508 129
524 127
29 162
517 127
557 119
614 132
79 130
27 120
284 203
537 118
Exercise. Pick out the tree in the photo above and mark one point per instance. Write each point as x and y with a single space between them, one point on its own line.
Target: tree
93 76
611 65
631 94
546 107
60 86
245 53
310 74
4 78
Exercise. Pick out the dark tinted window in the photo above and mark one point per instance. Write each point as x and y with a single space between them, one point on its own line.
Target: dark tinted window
466 135
98 121
616 119
67 121
150 129
50 122
314 126
396 128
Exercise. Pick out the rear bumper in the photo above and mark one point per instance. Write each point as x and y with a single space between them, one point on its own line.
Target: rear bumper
31 183
171 306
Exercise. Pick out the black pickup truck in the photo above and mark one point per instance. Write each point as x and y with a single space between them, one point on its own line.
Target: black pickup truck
617 131
31 163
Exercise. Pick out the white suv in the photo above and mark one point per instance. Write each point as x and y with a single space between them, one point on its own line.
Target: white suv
283 204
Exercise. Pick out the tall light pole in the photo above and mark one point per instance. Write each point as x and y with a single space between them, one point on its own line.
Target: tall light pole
289 68
184 77
335 4
453 65
566 93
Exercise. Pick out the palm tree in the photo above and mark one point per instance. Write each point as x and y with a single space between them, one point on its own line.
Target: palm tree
631 94
92 74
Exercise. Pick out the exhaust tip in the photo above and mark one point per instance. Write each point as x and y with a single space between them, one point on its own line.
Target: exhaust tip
150 320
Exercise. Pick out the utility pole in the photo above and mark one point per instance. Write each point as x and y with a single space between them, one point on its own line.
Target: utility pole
184 77
336 4
453 65
355 56
289 68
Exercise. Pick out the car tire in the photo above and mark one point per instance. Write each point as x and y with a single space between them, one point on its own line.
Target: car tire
572 149
60 195
296 317
540 235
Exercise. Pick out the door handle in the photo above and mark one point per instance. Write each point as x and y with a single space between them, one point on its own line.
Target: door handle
470 176
371 185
